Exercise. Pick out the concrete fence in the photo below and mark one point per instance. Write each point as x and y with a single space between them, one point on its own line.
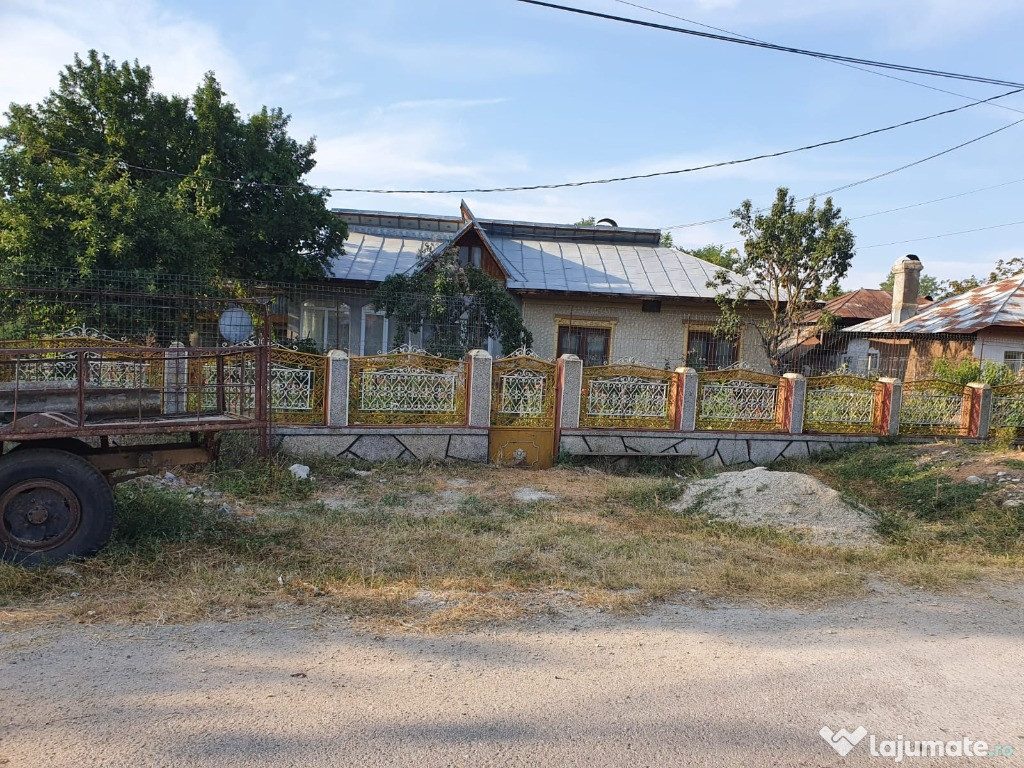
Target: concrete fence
724 417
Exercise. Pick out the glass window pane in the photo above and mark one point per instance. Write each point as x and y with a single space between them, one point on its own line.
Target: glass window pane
374 333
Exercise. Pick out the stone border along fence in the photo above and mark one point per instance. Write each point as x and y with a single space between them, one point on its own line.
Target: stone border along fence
410 405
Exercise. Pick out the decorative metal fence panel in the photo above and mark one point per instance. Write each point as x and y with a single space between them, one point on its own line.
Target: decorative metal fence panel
1008 407
745 401
628 395
842 404
523 391
298 387
407 387
222 384
934 407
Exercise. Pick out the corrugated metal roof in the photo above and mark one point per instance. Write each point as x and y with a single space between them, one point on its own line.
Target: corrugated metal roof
373 254
1000 304
544 257
861 304
612 268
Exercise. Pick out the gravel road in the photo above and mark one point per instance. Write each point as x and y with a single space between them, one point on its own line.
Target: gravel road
688 685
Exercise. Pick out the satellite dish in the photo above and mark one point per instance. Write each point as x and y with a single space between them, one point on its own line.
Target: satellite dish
235 325
609 222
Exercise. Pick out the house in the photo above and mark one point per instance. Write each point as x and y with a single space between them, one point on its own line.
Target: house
604 293
985 323
819 347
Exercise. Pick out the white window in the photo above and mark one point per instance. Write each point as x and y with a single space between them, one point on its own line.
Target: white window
326 324
375 332
1014 359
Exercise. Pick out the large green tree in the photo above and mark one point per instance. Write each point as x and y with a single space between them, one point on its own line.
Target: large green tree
107 173
791 258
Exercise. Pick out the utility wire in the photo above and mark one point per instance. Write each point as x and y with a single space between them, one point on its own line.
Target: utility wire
863 181
562 185
947 234
936 200
841 63
774 47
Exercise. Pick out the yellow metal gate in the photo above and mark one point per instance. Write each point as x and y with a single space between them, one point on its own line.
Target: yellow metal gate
522 411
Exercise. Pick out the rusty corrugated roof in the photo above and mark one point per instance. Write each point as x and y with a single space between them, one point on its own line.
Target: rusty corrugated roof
999 304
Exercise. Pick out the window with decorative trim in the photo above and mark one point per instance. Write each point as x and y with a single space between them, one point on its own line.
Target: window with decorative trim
592 344
1014 360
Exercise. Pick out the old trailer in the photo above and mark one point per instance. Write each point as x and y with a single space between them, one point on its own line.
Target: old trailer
81 411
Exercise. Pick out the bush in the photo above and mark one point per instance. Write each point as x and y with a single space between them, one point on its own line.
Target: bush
966 371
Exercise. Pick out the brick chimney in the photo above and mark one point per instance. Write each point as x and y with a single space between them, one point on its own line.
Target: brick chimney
905 287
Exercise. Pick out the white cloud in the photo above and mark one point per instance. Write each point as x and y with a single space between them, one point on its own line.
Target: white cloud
39 38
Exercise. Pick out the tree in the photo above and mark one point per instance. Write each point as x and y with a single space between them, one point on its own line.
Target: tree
716 254
589 221
791 258
930 286
457 306
106 173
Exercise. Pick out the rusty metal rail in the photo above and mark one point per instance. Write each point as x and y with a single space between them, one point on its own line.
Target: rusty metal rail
91 391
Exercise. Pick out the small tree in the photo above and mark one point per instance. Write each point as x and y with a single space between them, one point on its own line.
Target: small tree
460 304
791 258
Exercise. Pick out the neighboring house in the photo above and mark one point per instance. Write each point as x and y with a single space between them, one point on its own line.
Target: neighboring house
819 346
603 293
986 323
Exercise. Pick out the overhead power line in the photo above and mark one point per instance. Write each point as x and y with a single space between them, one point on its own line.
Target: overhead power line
861 181
561 185
936 200
774 47
947 234
840 63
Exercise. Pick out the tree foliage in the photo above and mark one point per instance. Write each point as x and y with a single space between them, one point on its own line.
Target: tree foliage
716 254
107 173
456 306
791 258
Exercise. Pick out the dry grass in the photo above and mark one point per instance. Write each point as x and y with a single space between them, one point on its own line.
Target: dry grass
440 547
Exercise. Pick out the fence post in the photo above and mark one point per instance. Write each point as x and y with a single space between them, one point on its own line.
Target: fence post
175 378
892 401
796 399
478 409
337 388
980 413
686 409
570 391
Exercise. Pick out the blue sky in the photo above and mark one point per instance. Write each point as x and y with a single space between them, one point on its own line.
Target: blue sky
461 93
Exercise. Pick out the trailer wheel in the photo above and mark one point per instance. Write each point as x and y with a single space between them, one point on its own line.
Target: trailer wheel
53 505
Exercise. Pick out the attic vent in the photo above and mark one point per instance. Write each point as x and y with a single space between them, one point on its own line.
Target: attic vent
650 305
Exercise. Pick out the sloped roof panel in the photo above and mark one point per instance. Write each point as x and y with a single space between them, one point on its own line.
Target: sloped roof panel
996 304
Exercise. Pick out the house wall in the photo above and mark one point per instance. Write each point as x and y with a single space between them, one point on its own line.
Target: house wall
993 343
656 338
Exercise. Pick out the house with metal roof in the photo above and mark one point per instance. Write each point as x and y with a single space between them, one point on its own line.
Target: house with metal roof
604 293
985 323
818 344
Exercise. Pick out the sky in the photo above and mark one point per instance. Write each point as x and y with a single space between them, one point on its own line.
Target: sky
450 94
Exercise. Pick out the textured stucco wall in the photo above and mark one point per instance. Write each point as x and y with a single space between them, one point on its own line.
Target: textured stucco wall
656 338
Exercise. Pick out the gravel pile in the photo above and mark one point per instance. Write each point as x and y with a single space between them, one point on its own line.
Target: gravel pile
785 499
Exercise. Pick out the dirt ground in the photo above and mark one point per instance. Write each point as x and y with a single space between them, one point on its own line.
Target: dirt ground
690 684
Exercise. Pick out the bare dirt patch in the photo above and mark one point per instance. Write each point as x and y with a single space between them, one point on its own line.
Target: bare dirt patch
787 499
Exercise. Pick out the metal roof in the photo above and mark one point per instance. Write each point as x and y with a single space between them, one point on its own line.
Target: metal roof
996 304
860 304
541 257
612 268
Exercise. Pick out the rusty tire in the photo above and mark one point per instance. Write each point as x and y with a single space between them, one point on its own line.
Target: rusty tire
53 505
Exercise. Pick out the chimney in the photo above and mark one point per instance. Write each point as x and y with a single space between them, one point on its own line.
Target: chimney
905 287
